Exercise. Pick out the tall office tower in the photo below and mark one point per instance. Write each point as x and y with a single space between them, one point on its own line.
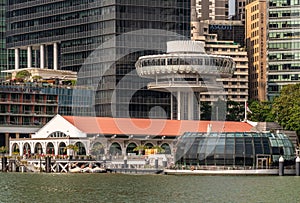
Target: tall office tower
283 45
256 42
6 56
212 9
65 35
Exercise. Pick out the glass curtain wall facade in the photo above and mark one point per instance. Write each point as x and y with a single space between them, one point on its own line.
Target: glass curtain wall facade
283 45
244 150
91 41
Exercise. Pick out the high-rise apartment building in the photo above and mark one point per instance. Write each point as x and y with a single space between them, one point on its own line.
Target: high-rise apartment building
256 42
235 87
63 35
283 45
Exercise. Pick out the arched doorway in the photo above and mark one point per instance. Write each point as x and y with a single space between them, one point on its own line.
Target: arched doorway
26 149
62 150
130 147
97 149
50 149
38 148
15 149
166 148
81 148
115 149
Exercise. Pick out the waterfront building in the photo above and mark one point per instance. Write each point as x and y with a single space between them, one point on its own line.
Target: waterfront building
26 106
205 144
62 35
239 150
283 45
256 42
113 136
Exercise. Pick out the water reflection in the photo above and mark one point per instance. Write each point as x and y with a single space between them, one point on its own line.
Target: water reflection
29 187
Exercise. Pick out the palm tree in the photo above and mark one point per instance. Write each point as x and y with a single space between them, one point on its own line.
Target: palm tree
73 148
140 148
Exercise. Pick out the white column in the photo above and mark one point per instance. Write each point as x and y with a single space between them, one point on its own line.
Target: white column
29 57
55 56
178 105
42 56
17 59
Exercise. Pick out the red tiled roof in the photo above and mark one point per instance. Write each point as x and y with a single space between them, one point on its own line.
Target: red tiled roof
127 126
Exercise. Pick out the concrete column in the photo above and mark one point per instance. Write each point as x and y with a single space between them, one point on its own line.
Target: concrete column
190 106
29 57
297 166
178 105
281 166
55 56
171 106
125 162
42 56
17 58
7 139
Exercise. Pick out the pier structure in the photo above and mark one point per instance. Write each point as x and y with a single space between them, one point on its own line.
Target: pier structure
185 71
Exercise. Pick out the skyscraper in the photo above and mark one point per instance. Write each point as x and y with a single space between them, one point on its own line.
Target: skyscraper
256 42
283 45
64 35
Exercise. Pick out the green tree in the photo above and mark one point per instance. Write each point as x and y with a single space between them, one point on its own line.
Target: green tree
74 148
235 111
23 75
205 110
286 108
261 111
140 149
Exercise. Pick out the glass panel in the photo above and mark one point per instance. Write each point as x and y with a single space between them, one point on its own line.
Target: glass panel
257 145
248 146
239 147
266 145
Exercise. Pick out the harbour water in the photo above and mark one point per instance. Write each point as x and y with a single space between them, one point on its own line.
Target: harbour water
42 187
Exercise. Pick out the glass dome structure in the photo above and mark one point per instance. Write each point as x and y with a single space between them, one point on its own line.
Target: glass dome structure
234 150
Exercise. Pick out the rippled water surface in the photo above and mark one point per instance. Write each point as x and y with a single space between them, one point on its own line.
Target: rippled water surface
35 187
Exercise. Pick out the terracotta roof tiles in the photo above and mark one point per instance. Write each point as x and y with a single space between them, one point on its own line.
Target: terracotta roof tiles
130 126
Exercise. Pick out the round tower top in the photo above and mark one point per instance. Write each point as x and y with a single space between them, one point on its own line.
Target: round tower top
185 46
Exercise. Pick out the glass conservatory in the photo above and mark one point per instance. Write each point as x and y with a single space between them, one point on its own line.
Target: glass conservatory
234 150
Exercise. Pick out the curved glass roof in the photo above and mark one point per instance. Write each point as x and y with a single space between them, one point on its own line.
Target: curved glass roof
234 149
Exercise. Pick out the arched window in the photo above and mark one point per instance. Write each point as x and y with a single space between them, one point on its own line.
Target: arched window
97 149
81 148
50 148
38 148
166 148
130 148
57 134
115 149
62 149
